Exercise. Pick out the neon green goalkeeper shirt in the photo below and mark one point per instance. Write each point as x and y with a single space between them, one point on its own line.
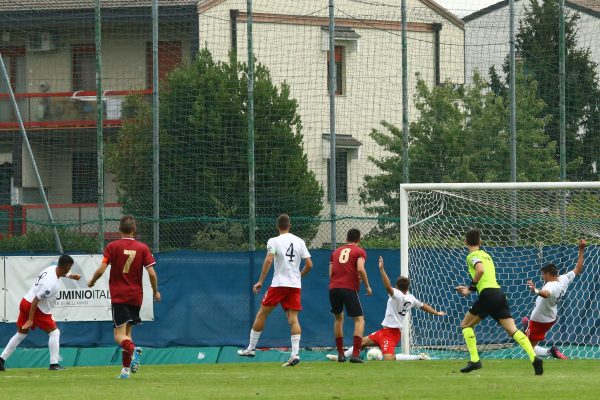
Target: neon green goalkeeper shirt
488 279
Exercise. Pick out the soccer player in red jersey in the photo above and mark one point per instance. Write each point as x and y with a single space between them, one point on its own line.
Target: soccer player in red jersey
128 258
346 270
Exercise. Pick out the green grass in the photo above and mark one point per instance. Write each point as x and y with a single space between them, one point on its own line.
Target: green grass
437 379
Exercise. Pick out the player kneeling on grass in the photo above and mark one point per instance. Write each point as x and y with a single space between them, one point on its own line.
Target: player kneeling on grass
35 307
400 301
545 311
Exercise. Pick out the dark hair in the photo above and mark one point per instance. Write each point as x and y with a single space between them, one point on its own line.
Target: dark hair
403 283
473 237
353 236
65 261
551 269
283 222
127 224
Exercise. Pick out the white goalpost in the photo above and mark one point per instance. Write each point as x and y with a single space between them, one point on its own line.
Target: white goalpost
524 226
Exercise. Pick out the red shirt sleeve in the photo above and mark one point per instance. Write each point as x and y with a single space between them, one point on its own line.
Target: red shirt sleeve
148 259
107 254
362 254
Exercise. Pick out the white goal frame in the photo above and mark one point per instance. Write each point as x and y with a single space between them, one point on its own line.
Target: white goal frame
412 187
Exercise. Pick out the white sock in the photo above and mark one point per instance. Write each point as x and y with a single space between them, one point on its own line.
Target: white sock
406 357
348 353
54 345
12 345
295 345
253 339
541 351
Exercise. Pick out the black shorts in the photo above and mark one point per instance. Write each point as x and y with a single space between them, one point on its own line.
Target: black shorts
125 314
340 298
492 302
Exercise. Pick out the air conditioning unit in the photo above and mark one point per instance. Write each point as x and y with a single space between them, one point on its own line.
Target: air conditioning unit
40 41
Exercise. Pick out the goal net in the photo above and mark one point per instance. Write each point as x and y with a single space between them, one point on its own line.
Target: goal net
523 226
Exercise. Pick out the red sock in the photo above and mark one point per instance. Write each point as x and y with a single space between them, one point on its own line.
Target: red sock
128 346
126 359
339 343
357 343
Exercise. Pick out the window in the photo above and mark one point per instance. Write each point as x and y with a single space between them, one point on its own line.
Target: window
84 178
341 181
340 73
169 58
83 68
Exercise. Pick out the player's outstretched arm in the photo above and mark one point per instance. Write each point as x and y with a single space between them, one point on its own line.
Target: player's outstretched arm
98 274
308 264
362 273
579 266
384 278
536 291
427 308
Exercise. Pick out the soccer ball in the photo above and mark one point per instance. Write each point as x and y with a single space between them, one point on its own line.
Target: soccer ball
374 354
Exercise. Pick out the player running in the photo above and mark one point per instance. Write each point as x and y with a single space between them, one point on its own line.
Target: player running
34 311
545 311
128 258
288 251
399 303
346 270
491 301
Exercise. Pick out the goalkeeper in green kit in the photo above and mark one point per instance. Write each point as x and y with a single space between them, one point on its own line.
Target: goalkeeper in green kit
491 301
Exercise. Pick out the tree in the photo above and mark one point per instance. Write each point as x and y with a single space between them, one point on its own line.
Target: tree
538 46
461 135
204 157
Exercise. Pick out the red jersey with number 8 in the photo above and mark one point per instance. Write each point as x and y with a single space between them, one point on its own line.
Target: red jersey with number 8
127 259
344 267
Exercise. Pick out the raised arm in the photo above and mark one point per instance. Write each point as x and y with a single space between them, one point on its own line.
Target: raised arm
263 273
427 308
579 266
384 278
362 273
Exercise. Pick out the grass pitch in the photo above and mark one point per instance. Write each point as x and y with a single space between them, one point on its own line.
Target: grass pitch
437 379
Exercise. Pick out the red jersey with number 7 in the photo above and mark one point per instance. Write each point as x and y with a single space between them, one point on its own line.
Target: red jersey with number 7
344 267
127 259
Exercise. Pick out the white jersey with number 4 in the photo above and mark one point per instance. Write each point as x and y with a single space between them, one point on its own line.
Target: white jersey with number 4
398 306
546 309
289 250
45 287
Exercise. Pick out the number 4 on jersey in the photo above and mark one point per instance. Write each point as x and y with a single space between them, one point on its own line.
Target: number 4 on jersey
290 252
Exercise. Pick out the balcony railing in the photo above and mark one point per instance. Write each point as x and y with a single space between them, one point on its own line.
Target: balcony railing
63 109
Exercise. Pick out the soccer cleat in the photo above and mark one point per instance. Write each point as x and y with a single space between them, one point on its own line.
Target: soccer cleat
341 358
356 360
292 361
423 356
56 367
246 353
332 357
135 360
471 366
538 366
525 322
2 364
124 373
554 352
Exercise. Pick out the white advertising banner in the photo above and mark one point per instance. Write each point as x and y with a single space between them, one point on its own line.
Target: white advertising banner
75 301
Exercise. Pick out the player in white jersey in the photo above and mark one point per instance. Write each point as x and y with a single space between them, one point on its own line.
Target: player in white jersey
399 303
35 307
288 251
545 311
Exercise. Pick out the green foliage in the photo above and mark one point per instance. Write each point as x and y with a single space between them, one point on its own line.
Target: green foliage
204 156
538 46
461 135
42 240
